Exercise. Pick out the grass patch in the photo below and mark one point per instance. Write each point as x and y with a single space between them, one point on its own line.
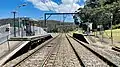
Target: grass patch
117 45
115 33
78 31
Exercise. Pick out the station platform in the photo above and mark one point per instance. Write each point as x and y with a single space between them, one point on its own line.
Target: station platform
28 38
8 52
15 44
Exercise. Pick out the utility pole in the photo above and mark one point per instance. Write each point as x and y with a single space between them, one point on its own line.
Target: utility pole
14 13
111 28
44 24
111 16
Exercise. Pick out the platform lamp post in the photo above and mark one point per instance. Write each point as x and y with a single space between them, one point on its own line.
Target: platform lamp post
14 13
22 5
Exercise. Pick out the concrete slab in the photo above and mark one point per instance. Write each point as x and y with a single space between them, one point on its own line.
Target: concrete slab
15 46
28 38
54 34
4 47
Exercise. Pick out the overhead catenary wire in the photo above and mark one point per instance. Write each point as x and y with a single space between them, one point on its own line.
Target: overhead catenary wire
71 6
58 7
50 2
52 5
69 9
45 3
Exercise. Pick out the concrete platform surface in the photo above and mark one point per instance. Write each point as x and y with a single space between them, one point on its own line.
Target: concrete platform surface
8 50
54 34
27 38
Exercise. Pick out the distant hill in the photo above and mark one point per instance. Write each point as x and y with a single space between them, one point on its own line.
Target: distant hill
41 22
6 21
51 24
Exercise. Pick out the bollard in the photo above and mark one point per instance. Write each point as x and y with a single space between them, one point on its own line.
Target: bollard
8 43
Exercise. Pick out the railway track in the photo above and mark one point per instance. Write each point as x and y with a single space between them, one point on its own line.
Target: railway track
57 53
65 51
37 57
57 56
86 57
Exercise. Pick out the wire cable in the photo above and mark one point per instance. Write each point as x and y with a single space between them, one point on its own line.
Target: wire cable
52 5
71 6
45 3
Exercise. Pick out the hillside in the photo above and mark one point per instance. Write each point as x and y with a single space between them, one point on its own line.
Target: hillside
52 25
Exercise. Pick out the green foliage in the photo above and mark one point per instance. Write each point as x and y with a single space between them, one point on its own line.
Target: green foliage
101 15
116 26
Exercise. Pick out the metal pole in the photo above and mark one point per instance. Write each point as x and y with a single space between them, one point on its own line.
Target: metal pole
14 24
40 25
33 28
19 26
8 43
22 29
24 25
102 32
111 29
44 24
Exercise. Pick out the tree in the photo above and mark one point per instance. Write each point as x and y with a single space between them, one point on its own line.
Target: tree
100 15
76 20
